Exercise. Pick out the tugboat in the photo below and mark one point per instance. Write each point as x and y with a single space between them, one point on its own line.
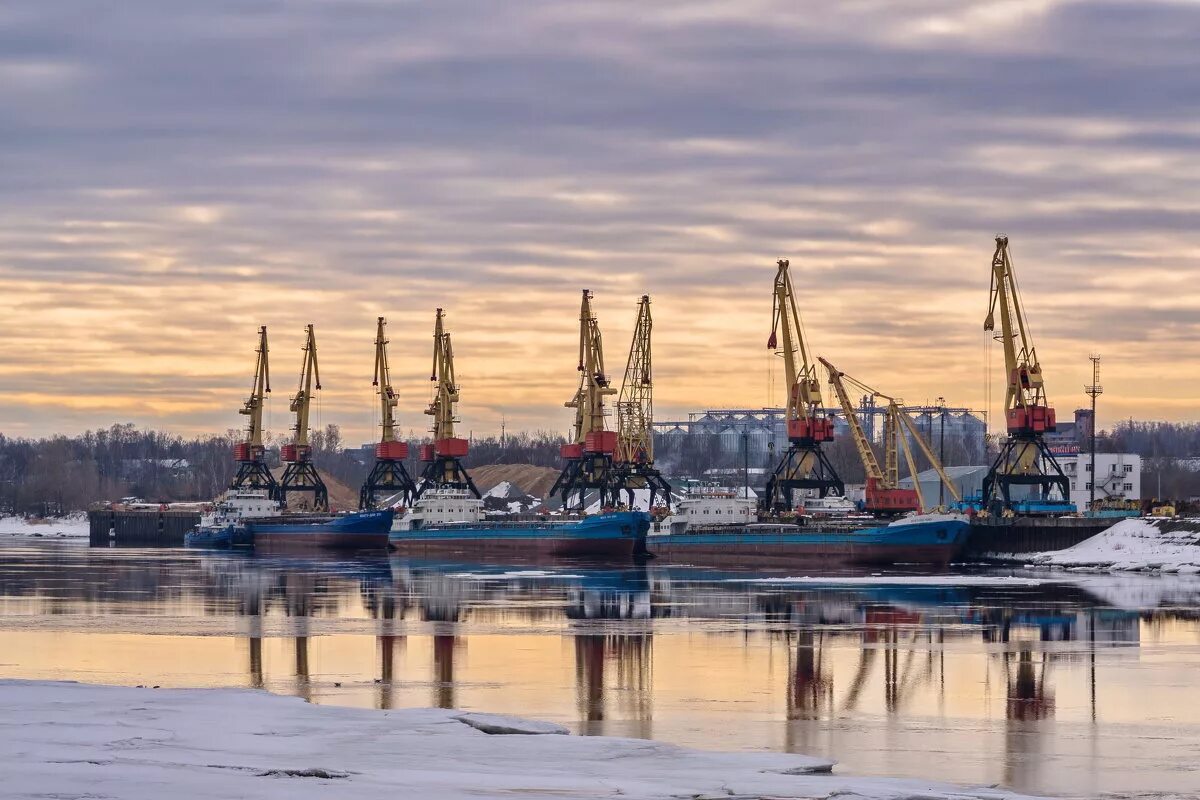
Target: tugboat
713 525
452 521
224 524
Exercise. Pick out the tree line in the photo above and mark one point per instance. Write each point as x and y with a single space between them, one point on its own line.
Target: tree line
67 473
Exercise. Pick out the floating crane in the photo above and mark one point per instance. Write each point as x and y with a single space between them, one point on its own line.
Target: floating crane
442 458
804 465
1024 458
388 475
635 417
884 495
300 475
589 457
250 454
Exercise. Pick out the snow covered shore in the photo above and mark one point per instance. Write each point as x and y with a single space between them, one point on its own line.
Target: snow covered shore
73 740
1133 544
74 526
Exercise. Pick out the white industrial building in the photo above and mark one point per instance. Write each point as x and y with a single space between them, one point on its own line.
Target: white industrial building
1118 477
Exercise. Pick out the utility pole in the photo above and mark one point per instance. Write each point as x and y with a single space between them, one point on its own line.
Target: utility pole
942 449
1094 391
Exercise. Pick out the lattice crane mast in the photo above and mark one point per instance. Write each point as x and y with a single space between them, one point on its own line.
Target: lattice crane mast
1024 458
589 457
253 472
388 475
884 496
804 465
443 458
300 475
635 416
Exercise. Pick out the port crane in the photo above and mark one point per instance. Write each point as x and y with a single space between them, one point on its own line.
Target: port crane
804 465
300 475
1024 458
588 458
388 475
635 417
250 454
884 496
443 458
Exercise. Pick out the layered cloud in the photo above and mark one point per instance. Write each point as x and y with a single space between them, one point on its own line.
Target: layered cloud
175 174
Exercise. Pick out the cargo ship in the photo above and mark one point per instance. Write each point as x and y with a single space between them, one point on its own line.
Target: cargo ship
357 530
714 526
453 522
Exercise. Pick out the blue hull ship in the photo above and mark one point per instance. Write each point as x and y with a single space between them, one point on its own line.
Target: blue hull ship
933 541
360 530
619 535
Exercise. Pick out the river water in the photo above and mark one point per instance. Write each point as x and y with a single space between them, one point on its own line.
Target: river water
1043 682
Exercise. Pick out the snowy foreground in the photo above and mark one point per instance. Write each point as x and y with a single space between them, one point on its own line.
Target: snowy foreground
74 526
73 740
1133 544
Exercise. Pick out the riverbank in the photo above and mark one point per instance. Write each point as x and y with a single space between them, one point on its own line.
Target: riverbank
1131 545
75 740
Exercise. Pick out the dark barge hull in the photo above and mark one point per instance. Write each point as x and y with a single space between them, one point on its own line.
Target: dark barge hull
364 530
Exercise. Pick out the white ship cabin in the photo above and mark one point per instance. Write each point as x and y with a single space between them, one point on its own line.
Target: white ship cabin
711 505
239 504
441 507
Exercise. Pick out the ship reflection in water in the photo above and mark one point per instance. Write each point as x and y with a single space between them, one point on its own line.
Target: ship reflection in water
1055 684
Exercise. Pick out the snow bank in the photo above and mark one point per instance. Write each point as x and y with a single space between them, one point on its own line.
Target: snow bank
1133 544
74 526
903 580
71 740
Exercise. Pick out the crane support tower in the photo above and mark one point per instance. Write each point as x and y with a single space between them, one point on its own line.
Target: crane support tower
1024 458
588 458
635 417
442 459
388 475
300 476
804 465
253 472
884 497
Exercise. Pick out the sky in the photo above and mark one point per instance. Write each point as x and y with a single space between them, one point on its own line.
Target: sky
175 174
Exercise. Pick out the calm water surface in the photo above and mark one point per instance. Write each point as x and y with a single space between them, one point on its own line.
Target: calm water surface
1074 685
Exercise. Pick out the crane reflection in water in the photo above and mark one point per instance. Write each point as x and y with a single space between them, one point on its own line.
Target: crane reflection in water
666 652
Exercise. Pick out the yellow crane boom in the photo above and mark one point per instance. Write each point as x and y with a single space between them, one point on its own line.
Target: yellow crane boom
861 442
445 396
310 380
253 407
383 383
635 404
